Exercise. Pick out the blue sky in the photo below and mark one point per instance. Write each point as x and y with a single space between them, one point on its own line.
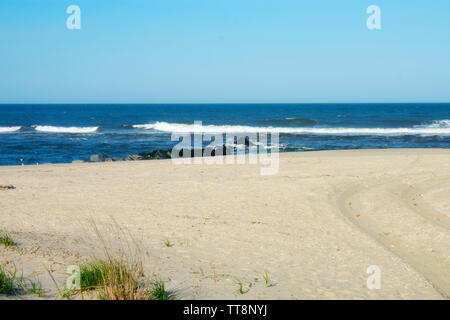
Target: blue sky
149 51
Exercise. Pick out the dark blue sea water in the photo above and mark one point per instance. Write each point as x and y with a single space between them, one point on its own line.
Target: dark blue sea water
63 133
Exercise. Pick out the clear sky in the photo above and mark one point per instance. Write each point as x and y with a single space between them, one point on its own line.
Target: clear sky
150 51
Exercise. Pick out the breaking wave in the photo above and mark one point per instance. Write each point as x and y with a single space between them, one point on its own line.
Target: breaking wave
9 129
436 128
65 129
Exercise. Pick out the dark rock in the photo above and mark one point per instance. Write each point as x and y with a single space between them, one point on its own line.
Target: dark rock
155 155
161 154
212 151
166 154
145 156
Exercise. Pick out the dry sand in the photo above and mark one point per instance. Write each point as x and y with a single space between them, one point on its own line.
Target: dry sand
315 227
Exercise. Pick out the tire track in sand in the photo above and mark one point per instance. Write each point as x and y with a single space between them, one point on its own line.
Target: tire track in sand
414 199
420 239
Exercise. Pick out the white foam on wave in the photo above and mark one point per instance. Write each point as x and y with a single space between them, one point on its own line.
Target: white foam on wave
65 129
437 124
9 129
192 128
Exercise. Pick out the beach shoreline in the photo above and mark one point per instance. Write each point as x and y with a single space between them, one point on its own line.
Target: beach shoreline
315 227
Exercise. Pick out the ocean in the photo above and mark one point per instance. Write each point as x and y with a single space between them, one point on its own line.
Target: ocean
60 133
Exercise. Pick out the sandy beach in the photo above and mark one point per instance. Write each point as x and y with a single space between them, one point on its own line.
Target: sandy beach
315 227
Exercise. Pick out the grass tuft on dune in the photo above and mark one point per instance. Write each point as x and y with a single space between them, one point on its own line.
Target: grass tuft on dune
7 241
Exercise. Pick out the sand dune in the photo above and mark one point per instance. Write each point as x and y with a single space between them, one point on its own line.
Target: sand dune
315 227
